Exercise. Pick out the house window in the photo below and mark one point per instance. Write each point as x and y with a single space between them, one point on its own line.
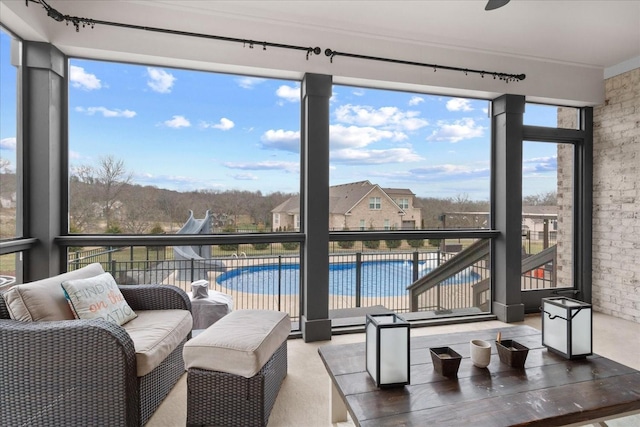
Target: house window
403 203
362 224
297 220
386 224
375 203
276 219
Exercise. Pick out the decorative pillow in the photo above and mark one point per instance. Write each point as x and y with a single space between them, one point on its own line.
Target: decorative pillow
97 298
43 300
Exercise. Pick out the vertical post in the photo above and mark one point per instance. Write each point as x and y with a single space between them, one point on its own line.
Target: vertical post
358 278
507 111
42 110
279 279
314 319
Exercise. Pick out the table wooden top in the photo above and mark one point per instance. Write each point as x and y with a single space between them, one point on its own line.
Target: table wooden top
549 391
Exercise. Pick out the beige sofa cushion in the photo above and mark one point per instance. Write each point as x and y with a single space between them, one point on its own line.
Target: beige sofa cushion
155 334
44 299
240 343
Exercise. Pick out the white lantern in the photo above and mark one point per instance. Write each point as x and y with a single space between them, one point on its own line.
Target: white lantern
387 349
567 327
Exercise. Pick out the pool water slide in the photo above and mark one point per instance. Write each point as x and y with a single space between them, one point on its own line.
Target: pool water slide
201 255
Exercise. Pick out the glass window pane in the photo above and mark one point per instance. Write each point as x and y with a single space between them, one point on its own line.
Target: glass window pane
147 145
547 116
8 140
420 161
547 215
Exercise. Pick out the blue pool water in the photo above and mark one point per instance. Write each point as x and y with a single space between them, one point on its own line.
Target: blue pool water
379 278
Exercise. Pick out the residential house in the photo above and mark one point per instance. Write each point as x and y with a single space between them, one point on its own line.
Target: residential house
358 206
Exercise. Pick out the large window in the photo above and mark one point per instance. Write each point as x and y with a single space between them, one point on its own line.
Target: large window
425 158
148 144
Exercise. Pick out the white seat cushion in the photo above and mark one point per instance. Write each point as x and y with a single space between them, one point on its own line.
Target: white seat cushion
155 334
240 343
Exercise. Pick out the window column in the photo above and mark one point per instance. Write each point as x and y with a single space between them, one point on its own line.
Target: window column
314 318
43 110
506 259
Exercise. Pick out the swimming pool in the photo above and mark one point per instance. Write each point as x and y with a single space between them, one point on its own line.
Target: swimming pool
378 278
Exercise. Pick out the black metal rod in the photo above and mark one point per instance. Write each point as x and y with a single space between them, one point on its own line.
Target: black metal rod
77 21
502 76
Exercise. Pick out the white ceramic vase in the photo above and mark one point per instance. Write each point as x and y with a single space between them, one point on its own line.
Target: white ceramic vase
480 353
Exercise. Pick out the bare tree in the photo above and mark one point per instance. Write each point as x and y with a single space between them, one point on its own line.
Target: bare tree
111 178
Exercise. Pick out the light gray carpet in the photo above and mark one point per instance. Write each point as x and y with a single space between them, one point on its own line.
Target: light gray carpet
303 400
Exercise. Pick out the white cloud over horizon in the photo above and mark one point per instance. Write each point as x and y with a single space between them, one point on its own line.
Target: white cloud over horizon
80 79
281 139
224 124
415 100
456 131
374 157
159 80
383 117
264 165
459 104
8 143
106 112
249 82
288 93
177 122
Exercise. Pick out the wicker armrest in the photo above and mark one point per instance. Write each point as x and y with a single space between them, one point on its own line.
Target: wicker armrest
155 297
56 373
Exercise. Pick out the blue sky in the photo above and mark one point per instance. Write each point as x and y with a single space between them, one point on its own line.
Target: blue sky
188 130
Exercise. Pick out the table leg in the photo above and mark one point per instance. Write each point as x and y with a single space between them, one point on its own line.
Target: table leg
338 410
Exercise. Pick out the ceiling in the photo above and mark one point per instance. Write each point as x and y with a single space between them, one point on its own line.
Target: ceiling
587 34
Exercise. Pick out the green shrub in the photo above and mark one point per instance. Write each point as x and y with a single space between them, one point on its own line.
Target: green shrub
229 247
290 245
415 243
260 246
435 242
372 244
346 244
393 244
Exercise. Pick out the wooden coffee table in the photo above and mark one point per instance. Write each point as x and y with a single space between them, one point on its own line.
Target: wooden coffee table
549 391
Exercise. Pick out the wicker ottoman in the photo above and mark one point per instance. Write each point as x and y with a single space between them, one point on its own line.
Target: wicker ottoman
235 369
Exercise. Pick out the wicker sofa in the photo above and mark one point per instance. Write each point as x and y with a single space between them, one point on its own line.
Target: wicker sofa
87 372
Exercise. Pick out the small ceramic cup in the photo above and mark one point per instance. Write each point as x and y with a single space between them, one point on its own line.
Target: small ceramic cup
480 353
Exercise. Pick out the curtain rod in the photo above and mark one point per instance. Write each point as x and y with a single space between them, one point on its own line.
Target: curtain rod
77 21
507 77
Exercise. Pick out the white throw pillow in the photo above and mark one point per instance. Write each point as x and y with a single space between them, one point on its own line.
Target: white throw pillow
98 298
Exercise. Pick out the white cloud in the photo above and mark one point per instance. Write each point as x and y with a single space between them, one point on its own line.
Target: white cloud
223 124
357 137
264 165
280 139
8 143
459 104
90 111
375 157
358 92
415 100
177 122
289 93
384 117
160 81
74 155
245 177
83 80
249 82
447 172
456 131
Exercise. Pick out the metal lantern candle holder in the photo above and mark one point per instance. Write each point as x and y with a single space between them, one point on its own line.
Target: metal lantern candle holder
387 349
567 327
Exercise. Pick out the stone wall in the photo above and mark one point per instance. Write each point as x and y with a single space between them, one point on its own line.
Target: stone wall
616 199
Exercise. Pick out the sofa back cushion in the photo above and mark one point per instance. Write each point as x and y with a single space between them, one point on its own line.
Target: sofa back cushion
44 299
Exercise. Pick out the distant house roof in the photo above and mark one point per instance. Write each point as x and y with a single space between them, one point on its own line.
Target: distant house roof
343 197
